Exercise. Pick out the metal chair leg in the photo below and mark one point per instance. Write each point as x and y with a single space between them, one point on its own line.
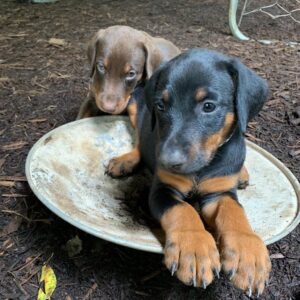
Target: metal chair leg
232 21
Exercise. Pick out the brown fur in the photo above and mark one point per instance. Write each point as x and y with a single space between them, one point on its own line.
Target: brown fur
132 113
218 184
124 164
212 143
189 247
200 94
121 49
243 253
180 182
165 95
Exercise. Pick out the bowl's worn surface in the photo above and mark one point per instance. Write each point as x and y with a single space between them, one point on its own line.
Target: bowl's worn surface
65 169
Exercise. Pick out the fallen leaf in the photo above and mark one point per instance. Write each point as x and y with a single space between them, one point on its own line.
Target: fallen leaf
11 227
57 42
277 255
294 153
49 278
73 246
14 146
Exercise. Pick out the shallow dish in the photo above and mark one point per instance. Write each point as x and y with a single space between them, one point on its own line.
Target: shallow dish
65 170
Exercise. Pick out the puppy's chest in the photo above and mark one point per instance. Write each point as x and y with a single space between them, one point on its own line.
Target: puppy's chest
205 186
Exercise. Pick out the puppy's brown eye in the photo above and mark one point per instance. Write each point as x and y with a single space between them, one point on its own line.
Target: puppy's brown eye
131 75
100 67
208 107
160 106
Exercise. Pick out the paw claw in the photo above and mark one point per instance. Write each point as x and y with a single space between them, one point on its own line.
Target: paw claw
258 294
231 274
194 280
249 292
203 284
267 282
217 273
173 268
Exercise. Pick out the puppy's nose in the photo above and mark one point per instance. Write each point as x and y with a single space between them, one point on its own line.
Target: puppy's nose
173 160
109 106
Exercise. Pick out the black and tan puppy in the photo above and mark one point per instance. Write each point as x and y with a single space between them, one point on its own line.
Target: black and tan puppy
191 137
121 58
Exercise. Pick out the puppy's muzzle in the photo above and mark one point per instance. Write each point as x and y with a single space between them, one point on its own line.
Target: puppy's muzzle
111 104
172 160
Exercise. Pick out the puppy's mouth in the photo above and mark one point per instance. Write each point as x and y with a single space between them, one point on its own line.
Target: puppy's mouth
112 109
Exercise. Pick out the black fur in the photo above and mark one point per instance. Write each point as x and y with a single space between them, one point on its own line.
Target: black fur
167 138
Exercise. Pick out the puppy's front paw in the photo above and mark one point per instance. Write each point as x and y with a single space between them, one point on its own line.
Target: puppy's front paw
245 258
193 256
123 165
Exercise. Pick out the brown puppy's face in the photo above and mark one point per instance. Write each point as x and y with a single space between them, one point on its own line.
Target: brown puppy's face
120 57
117 70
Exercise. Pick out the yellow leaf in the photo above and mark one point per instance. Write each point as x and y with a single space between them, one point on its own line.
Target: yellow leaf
41 295
49 279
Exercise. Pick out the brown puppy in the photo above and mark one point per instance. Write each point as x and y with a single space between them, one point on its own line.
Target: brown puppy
121 58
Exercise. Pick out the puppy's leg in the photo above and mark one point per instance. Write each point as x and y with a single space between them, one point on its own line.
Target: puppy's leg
190 251
125 164
88 109
244 255
243 178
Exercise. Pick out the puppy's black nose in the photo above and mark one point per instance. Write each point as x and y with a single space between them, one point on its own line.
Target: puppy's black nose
172 160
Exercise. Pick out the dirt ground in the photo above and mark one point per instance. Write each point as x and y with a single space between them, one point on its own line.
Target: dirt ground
42 86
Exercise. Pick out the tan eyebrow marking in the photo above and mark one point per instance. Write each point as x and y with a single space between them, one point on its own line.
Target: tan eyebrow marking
127 68
166 95
200 94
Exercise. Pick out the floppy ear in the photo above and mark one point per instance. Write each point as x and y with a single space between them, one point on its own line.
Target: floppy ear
153 57
150 90
251 92
92 49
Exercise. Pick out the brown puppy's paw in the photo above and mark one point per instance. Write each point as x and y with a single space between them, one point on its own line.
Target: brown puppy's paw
193 256
245 258
123 165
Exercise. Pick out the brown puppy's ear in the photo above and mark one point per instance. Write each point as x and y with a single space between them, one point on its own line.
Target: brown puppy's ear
251 92
92 49
154 57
